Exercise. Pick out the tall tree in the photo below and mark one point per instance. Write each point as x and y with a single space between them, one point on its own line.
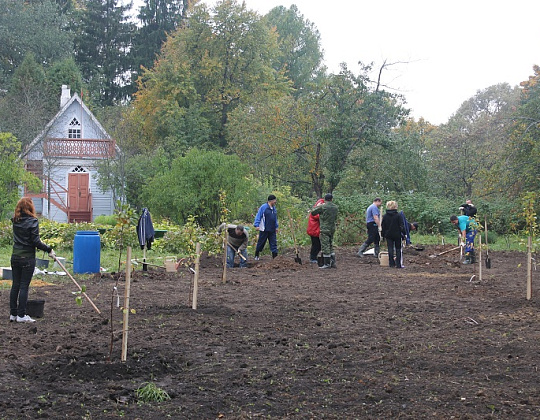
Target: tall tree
524 147
300 46
31 27
314 139
102 45
359 117
205 71
464 152
28 105
157 19
279 139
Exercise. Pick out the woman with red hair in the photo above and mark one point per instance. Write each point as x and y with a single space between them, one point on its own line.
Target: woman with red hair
23 259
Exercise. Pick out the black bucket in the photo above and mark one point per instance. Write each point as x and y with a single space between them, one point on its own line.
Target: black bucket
34 308
41 263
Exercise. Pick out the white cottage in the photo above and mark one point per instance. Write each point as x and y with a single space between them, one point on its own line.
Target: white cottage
64 155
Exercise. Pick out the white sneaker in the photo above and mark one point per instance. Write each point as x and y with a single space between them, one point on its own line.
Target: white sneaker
25 318
257 258
12 318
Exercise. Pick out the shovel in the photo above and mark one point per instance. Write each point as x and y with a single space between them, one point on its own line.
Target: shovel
297 259
236 250
444 252
488 261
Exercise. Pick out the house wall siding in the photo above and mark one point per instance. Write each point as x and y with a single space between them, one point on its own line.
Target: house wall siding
102 201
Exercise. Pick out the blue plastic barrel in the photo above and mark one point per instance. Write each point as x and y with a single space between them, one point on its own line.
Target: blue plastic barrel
86 252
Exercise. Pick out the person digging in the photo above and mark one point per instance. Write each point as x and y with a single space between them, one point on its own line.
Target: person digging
467 233
237 242
327 212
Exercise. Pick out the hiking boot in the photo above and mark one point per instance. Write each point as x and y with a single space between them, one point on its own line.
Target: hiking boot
25 318
333 261
326 263
467 260
361 250
274 255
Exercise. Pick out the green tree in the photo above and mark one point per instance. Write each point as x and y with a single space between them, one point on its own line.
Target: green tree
31 27
193 184
102 44
358 118
278 138
64 72
400 167
523 152
299 44
157 18
206 69
12 174
465 153
28 106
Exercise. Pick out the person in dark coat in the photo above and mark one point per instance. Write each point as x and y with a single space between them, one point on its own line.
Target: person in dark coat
23 259
392 229
468 209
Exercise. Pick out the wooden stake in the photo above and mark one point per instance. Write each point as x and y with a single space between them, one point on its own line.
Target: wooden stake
224 275
126 305
196 276
480 261
529 269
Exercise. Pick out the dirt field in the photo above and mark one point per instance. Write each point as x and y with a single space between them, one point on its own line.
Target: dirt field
281 339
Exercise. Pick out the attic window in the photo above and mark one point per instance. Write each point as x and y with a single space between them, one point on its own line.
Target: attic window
74 129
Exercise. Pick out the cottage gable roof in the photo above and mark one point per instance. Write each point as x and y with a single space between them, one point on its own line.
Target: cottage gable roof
75 98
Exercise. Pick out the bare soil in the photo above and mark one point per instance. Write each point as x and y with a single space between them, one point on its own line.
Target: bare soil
281 339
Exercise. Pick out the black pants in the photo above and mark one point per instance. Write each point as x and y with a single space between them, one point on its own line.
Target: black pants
394 244
373 234
22 270
315 247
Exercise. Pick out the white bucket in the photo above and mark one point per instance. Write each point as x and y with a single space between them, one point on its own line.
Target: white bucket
383 259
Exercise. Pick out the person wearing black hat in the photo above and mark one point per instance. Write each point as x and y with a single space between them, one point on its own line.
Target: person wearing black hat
327 212
266 222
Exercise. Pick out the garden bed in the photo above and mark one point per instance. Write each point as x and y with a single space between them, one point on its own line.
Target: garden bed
282 339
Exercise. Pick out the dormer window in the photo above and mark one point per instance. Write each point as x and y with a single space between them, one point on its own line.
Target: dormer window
74 129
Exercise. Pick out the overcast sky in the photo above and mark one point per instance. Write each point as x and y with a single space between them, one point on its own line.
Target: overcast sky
449 50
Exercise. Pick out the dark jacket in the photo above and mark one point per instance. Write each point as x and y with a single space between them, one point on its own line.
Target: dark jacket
145 230
392 225
26 237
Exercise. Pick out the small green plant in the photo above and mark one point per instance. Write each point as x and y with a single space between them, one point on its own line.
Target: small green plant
148 392
79 295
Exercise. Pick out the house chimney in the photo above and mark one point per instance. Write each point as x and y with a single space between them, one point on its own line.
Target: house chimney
66 95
